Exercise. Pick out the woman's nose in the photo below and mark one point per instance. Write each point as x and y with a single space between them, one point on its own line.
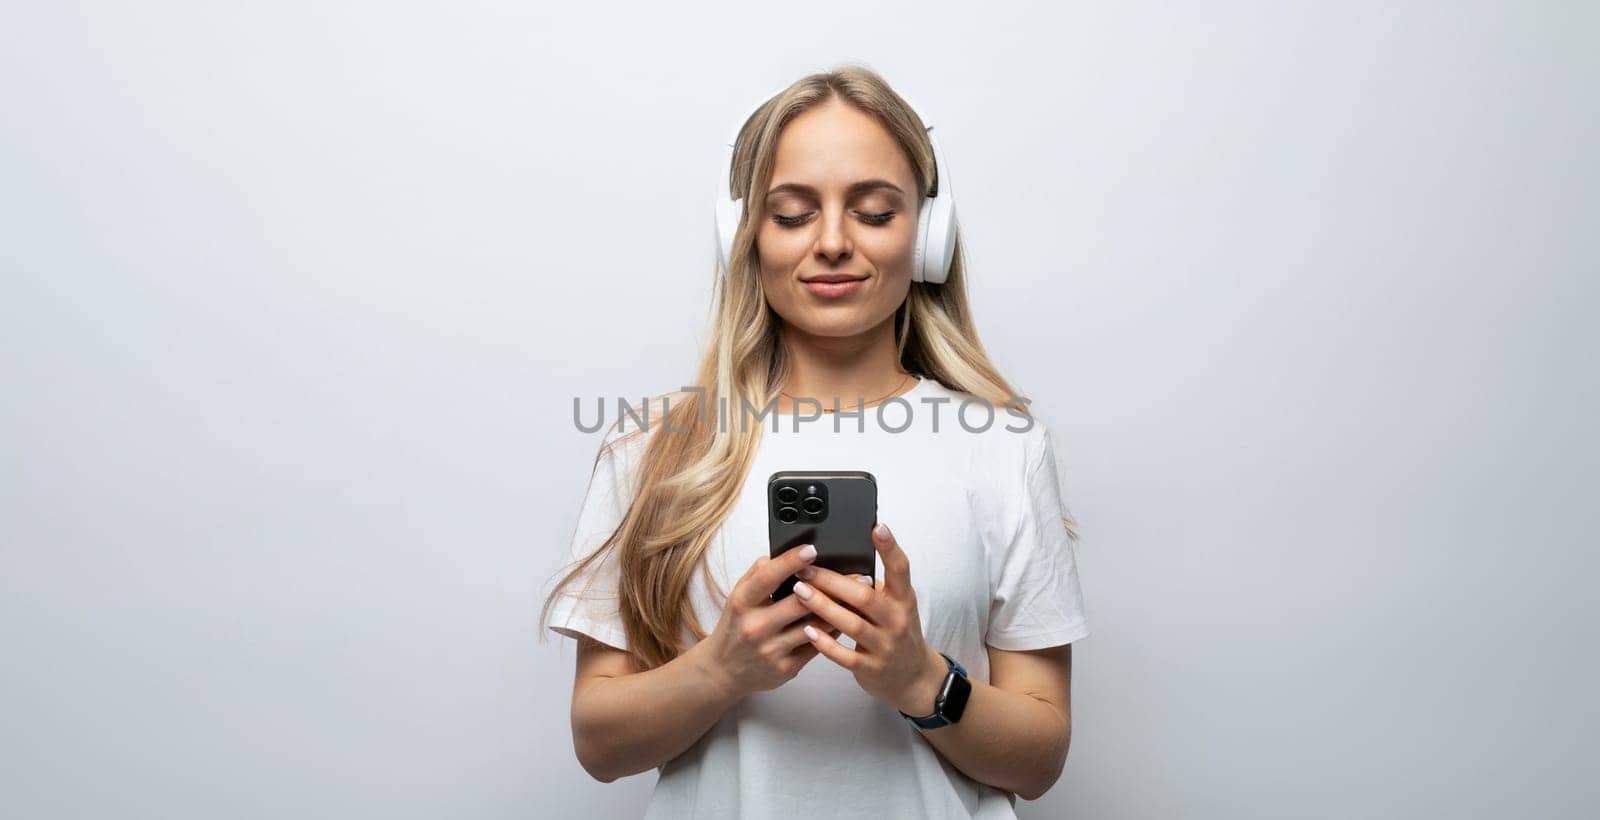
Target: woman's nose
834 243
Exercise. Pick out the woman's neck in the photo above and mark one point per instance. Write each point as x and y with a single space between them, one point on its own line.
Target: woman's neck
862 368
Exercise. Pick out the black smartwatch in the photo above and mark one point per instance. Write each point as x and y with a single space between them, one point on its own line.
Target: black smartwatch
952 699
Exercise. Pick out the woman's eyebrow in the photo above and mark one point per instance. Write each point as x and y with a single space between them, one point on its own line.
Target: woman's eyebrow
855 188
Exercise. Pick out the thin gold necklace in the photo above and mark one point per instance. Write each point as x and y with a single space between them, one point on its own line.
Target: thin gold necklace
868 404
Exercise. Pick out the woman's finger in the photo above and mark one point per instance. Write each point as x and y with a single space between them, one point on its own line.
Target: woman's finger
896 564
779 614
836 614
827 644
854 591
796 636
767 574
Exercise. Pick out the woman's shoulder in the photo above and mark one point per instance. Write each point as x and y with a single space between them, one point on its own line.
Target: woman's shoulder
1012 428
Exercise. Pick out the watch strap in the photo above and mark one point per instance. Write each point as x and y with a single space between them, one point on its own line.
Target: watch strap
956 677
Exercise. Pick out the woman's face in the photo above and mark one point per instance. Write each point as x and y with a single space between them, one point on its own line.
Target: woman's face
842 206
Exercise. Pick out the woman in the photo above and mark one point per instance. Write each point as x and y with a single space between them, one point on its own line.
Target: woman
807 703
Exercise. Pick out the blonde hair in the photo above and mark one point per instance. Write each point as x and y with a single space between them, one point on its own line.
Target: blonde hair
690 475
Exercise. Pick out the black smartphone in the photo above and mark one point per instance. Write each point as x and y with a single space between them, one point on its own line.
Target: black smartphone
832 509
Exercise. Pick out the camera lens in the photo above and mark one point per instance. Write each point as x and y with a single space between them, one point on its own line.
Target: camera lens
813 505
788 515
788 495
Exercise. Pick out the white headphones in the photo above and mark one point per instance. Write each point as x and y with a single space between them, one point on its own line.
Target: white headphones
936 224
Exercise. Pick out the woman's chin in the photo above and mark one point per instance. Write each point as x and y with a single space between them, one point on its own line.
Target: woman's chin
835 323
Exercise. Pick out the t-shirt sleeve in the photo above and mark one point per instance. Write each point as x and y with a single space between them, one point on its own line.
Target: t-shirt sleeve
588 605
1037 601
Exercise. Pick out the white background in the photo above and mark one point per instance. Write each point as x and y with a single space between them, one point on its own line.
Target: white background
296 297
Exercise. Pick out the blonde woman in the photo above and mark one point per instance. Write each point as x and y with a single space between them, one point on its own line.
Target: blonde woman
940 691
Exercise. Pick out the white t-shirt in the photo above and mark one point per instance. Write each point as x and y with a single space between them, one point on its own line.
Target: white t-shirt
980 516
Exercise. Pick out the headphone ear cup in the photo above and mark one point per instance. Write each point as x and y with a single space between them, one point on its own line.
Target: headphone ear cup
729 212
919 248
936 236
938 232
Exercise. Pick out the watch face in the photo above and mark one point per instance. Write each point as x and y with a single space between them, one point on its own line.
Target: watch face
955 701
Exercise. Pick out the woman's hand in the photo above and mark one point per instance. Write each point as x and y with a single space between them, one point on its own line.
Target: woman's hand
890 661
759 644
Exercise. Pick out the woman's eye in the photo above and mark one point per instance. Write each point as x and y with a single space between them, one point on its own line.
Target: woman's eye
871 219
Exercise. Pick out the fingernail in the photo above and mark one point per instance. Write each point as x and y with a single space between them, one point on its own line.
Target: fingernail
864 579
807 573
811 632
809 551
802 589
882 531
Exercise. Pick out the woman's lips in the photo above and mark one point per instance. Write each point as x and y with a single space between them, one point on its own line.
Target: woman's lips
834 290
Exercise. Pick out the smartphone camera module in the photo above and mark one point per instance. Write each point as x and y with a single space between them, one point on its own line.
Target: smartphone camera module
800 502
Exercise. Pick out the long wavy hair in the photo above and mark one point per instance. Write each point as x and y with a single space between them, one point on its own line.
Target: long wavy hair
691 471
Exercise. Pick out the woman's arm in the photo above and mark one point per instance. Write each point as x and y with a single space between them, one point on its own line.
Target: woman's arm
1015 730
625 722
